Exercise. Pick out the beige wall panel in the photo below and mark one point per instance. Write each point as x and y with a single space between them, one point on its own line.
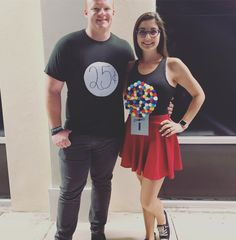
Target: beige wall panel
22 89
59 17
126 14
126 190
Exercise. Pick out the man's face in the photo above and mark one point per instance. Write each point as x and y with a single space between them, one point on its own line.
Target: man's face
99 13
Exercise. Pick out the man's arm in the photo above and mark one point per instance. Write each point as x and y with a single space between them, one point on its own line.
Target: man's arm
53 101
53 105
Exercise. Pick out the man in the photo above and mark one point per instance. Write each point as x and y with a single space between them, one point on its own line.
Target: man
92 62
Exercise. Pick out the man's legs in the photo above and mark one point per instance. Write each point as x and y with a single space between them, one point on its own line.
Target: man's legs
104 155
74 166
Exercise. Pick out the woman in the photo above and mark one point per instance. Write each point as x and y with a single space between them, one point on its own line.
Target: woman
156 155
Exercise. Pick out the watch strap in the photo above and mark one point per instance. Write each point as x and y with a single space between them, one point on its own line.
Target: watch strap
56 130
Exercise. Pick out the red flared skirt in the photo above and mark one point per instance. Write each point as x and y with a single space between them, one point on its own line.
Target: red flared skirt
152 156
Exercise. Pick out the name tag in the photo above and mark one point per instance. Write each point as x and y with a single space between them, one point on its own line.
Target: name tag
140 126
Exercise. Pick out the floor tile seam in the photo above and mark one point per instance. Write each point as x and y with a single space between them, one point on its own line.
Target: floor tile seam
173 224
49 229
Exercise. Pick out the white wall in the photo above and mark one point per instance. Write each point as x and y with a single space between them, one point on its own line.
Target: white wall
125 193
22 90
59 17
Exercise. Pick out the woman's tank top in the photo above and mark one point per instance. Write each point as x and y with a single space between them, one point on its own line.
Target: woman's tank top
158 80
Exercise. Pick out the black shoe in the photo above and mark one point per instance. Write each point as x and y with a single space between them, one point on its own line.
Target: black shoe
164 230
155 237
99 236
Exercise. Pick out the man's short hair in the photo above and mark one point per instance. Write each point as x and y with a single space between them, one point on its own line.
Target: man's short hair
86 3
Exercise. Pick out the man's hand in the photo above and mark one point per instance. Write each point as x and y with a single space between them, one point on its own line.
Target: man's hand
61 139
170 108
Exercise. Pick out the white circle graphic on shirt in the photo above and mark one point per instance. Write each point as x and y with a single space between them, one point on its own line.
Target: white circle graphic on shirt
101 79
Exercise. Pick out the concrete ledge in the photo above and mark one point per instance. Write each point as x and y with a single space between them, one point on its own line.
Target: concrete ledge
193 204
2 140
5 203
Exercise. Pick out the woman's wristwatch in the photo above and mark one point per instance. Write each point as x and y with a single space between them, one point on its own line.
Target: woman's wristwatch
183 124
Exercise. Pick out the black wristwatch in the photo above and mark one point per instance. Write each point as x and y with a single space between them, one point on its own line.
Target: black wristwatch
56 130
183 124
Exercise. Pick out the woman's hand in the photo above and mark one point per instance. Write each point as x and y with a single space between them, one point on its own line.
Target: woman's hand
169 128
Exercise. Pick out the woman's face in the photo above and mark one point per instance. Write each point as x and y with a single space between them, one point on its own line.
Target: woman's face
148 35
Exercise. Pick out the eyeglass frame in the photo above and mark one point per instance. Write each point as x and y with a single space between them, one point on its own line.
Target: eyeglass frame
148 32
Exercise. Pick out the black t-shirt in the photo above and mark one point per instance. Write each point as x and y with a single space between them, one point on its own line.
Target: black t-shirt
94 72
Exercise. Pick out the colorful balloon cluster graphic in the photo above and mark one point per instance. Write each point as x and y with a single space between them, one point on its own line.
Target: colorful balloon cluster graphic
140 99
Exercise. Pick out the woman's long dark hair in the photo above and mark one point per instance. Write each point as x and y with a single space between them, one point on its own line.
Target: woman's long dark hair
162 46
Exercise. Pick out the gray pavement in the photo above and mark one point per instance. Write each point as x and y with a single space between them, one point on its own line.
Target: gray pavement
186 224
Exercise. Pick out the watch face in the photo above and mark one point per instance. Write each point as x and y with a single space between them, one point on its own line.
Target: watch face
182 122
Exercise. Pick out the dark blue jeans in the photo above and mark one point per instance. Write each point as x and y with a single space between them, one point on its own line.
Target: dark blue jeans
97 154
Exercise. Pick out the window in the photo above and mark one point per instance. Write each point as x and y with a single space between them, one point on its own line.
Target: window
203 35
1 120
4 180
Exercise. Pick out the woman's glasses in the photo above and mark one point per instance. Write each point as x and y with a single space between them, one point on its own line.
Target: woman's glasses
152 33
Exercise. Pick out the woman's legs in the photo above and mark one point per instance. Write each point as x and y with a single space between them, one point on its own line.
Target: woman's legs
149 192
149 219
